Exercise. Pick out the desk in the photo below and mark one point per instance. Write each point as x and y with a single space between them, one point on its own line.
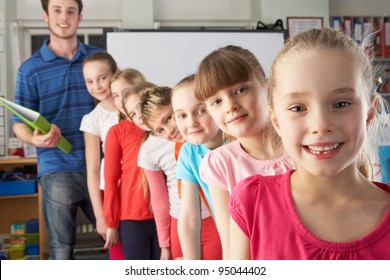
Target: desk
23 207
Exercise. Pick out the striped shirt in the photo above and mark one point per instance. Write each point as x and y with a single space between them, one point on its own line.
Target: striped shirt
55 87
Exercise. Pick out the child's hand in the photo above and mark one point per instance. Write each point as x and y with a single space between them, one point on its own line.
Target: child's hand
112 237
166 254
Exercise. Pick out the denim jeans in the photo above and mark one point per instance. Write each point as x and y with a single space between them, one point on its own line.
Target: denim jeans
62 194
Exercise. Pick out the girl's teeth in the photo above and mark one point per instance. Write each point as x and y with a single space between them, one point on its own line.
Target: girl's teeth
318 149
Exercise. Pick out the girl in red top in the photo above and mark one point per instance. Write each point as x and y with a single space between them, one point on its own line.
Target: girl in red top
127 208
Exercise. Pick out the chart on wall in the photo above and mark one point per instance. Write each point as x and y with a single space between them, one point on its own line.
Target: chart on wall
165 56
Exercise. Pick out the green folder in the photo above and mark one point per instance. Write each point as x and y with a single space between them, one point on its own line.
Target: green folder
34 120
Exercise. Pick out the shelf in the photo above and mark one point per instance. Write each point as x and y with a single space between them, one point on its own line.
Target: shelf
17 161
381 59
18 196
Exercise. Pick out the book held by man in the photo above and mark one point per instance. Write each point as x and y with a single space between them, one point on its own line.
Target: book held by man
35 120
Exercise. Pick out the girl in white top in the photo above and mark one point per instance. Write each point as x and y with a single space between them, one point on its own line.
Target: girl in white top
232 84
99 71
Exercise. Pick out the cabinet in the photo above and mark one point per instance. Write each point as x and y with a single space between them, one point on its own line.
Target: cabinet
23 207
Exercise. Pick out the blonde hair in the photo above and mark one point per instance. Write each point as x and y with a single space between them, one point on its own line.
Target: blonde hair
330 39
136 89
152 99
129 75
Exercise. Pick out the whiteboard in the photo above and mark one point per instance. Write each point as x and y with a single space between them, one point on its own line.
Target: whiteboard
165 57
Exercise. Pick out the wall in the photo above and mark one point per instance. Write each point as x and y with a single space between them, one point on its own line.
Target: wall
93 9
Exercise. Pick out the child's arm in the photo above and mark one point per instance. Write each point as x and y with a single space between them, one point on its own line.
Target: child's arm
160 204
220 200
112 175
239 248
92 156
189 222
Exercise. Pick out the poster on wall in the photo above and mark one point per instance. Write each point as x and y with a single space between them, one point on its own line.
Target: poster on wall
297 25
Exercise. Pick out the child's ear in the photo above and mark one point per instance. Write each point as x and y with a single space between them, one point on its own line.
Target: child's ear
274 119
372 111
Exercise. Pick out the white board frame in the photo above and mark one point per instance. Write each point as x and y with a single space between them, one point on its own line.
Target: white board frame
167 56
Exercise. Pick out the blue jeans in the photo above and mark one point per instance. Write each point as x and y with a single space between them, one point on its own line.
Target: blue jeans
62 194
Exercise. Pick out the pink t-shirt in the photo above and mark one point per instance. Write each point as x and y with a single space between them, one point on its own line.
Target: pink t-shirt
227 165
264 210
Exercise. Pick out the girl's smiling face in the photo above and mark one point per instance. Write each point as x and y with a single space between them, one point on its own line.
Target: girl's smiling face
320 110
193 121
162 123
117 89
240 110
97 76
134 112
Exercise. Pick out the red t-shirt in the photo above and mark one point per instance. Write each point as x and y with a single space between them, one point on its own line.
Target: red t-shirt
263 208
128 201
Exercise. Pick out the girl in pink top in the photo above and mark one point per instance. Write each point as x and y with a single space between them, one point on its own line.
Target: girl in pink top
324 107
232 84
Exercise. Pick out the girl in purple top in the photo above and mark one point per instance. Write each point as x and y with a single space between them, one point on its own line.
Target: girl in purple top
324 107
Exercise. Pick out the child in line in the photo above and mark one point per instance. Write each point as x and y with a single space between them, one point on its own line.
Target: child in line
98 70
232 84
324 106
199 239
127 207
158 158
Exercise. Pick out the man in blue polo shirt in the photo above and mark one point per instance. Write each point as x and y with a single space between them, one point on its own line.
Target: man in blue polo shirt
51 82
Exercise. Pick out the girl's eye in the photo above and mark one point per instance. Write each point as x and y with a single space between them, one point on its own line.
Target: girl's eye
297 109
215 102
180 116
201 111
241 90
342 104
168 119
159 131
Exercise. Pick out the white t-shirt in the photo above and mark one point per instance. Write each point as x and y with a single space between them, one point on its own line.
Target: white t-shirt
98 122
157 154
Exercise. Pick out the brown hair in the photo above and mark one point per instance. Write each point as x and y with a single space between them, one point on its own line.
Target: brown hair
45 5
103 57
225 67
330 39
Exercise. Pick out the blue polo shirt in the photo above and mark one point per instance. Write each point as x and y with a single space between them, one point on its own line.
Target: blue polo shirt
55 87
187 168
